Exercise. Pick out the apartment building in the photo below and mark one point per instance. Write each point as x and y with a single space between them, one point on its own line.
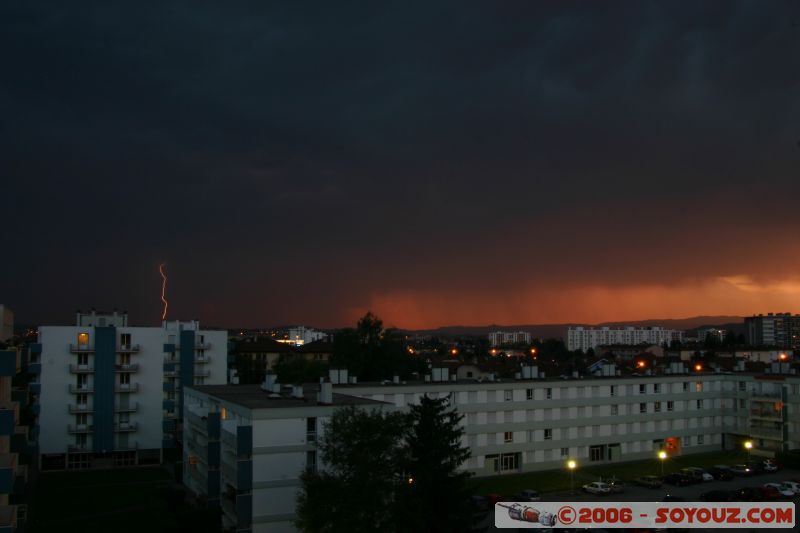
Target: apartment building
773 329
13 475
510 426
109 393
245 447
6 323
499 338
584 338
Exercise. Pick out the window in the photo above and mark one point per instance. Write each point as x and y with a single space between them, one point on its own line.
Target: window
469 374
529 394
564 452
125 340
125 381
685 386
670 406
613 390
698 387
223 413
508 436
83 340
509 461
548 393
742 386
509 395
699 404
657 388
614 410
700 440
80 419
311 460
742 404
311 429
642 407
548 434
687 441
83 360
642 389
82 399
597 453
657 407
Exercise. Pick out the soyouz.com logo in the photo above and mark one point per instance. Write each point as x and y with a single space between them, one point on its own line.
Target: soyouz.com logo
697 515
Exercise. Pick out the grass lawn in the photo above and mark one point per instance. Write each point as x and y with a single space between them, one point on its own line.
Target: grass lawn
122 500
558 480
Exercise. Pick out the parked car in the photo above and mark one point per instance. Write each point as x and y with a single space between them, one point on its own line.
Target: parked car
676 478
770 466
716 496
529 495
699 473
793 485
769 492
756 467
747 494
651 482
742 470
693 475
783 490
597 487
721 472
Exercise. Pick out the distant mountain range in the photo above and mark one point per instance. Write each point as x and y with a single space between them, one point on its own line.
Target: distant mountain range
546 331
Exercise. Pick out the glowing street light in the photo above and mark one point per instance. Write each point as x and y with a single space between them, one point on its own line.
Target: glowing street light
662 455
641 364
748 445
698 367
454 352
571 465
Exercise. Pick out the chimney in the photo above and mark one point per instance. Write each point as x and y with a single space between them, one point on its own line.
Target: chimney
269 381
297 391
396 379
276 388
333 374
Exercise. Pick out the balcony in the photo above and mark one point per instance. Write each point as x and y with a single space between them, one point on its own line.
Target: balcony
766 414
76 409
126 368
8 467
766 433
79 448
81 348
125 427
766 396
202 359
132 408
171 373
168 405
81 369
83 389
35 368
35 388
202 346
79 428
128 387
130 447
9 415
128 348
202 373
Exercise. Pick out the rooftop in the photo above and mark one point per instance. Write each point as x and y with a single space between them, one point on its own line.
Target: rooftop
254 397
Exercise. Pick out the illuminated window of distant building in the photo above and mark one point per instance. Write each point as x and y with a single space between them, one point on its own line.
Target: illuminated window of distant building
83 339
223 413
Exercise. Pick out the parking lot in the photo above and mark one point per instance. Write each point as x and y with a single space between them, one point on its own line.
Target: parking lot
633 493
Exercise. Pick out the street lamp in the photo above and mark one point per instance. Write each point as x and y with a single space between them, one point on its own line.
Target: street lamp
748 445
662 455
571 464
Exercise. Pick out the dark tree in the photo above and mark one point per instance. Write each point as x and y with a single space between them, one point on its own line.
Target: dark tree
362 452
294 369
434 497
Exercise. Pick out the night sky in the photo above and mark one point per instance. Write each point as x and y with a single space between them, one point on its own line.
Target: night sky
436 162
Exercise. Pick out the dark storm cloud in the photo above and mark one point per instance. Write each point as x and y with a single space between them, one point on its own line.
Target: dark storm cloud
291 161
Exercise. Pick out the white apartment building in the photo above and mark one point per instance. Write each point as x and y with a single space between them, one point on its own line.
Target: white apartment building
300 335
499 338
6 323
109 393
510 426
583 338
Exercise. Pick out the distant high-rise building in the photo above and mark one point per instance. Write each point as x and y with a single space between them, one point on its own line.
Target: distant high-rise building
109 393
499 338
582 338
703 334
6 323
773 329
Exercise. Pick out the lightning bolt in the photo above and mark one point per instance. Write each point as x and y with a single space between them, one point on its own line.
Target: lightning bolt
163 290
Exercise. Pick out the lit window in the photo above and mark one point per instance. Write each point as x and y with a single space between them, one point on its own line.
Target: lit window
83 339
223 413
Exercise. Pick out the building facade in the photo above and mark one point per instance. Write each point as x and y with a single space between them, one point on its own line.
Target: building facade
499 338
109 393
510 427
781 330
6 323
584 338
13 474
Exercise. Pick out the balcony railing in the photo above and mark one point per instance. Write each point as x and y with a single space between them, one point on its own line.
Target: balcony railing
128 387
76 409
83 389
125 427
130 447
80 428
202 346
766 396
775 434
81 348
126 368
171 373
79 448
202 359
132 408
128 348
202 373
81 369
766 414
